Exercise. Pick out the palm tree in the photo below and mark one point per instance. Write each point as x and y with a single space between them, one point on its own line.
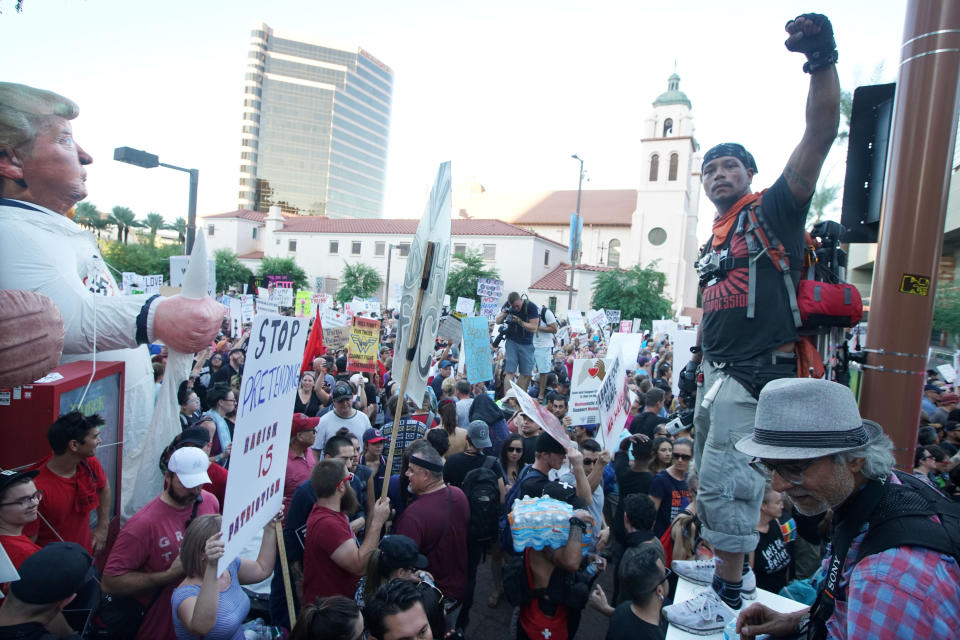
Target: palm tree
124 218
154 222
84 214
180 226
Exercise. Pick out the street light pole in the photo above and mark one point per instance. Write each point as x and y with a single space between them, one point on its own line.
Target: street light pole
386 293
149 161
575 251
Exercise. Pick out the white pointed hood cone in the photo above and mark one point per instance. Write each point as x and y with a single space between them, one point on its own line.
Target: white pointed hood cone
165 424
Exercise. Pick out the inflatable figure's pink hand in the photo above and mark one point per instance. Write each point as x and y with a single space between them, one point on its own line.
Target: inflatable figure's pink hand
185 324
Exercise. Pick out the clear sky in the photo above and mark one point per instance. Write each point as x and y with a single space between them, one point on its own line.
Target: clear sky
507 90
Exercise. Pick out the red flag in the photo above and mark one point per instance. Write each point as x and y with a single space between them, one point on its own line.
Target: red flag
315 347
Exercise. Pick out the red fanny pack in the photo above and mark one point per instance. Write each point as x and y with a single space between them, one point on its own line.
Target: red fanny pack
824 304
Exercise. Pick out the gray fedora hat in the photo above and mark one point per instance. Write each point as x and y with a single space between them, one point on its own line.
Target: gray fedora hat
803 418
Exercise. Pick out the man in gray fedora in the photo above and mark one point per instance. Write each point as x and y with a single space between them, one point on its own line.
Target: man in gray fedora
883 581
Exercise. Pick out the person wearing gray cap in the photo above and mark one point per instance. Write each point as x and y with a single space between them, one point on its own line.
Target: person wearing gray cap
748 272
889 574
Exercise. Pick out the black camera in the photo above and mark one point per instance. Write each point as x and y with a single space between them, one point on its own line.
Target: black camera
501 334
714 266
679 421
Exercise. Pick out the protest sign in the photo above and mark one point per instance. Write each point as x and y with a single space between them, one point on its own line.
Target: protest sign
236 318
575 320
626 326
598 321
563 335
134 284
331 318
613 403
625 346
267 306
684 321
178 267
476 349
258 463
304 304
613 316
364 346
489 306
246 308
489 288
664 327
335 337
450 329
588 375
465 306
434 227
637 326
281 294
322 300
539 414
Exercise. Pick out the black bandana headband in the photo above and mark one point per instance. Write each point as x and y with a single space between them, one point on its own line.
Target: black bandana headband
730 149
426 464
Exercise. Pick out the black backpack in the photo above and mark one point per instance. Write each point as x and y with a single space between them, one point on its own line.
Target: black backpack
482 488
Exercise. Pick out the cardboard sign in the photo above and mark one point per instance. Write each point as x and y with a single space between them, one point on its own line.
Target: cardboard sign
178 267
575 320
434 227
614 405
266 306
246 308
465 306
547 421
258 463
364 345
613 316
134 284
450 329
476 349
335 337
489 306
588 376
626 326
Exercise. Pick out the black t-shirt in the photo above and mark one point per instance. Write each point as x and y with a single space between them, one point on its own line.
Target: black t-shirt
457 466
629 482
528 311
728 336
645 422
771 559
625 625
533 484
30 631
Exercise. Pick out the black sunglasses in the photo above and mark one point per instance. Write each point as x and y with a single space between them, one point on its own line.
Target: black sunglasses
682 456
515 449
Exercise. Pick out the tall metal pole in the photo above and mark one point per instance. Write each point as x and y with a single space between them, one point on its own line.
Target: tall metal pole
915 200
386 293
575 251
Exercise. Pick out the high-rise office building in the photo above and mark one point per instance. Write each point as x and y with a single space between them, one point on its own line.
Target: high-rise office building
316 120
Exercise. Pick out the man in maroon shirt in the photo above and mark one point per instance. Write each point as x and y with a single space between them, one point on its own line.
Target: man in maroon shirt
333 561
73 485
437 521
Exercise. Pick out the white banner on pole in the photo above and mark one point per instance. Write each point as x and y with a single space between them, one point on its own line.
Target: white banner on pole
258 462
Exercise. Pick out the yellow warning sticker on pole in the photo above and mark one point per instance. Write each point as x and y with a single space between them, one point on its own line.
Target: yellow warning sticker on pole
917 285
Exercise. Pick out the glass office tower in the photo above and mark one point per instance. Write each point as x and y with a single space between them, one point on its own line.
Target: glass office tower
316 120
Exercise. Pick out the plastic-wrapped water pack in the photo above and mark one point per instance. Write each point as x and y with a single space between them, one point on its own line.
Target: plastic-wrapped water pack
537 523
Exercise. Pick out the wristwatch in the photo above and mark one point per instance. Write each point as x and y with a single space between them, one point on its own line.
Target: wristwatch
577 522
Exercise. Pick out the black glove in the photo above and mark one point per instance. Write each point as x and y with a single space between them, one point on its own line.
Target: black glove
820 48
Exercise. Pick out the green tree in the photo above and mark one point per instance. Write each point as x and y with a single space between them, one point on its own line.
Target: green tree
124 219
358 280
637 292
284 267
143 259
462 281
180 226
946 311
154 222
822 198
230 271
84 214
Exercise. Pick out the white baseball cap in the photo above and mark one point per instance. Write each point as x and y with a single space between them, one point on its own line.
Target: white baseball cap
190 464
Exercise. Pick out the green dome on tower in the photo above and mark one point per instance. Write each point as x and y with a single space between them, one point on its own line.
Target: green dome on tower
672 95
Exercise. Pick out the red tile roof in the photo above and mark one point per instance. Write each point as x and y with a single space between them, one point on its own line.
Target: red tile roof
253 255
559 278
613 207
323 224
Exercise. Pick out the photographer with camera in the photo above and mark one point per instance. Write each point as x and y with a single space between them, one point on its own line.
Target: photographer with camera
519 320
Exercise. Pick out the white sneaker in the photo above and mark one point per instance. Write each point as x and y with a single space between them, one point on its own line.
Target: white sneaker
702 615
701 572
748 591
696 571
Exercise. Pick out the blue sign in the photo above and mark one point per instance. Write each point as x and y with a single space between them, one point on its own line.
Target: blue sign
576 232
476 345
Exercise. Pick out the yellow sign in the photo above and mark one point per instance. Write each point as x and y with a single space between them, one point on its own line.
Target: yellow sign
364 345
